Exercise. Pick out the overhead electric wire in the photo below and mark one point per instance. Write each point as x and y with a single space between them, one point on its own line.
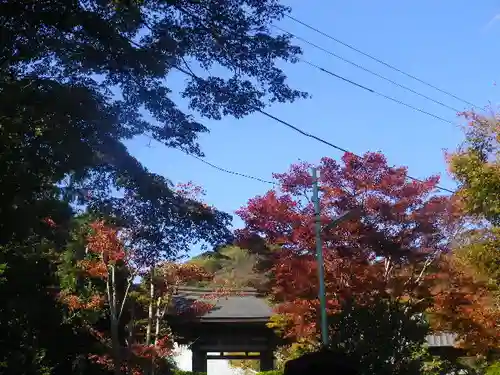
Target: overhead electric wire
189 72
232 172
298 130
365 69
228 171
379 60
334 75
376 92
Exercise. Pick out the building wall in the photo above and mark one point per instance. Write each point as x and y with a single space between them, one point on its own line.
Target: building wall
183 355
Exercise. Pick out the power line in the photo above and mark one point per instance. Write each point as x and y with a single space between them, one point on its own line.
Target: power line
328 72
283 122
379 61
231 172
376 92
228 171
365 69
298 130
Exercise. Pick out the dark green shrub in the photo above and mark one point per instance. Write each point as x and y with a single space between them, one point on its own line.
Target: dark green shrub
494 369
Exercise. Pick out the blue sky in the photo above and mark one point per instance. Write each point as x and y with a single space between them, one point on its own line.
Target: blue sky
451 44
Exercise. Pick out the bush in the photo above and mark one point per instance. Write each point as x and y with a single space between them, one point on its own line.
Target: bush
273 372
494 369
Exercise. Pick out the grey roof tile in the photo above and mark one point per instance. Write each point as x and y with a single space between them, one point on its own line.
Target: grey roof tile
250 305
246 304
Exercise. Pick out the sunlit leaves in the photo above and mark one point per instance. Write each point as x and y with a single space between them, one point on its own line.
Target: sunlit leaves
472 299
480 251
77 79
383 254
464 304
476 166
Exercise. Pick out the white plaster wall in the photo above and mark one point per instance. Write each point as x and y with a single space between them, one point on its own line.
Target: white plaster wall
182 358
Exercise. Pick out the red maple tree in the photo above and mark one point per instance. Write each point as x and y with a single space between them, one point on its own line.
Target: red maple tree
405 226
106 262
108 270
466 305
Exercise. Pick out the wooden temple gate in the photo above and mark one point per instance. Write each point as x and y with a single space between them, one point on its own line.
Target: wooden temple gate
237 324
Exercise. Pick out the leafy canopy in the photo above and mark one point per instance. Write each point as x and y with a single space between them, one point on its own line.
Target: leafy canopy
386 253
476 257
476 167
383 270
78 79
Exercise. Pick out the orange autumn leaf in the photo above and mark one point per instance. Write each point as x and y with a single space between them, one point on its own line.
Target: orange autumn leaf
467 307
380 255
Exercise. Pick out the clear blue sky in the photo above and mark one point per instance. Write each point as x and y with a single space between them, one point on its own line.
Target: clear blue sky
451 44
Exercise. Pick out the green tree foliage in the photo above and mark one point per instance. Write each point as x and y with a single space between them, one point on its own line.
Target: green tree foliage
387 337
233 266
494 369
383 336
476 167
77 80
436 365
35 335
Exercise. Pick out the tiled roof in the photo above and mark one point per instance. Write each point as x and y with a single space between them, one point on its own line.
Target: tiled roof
244 304
247 304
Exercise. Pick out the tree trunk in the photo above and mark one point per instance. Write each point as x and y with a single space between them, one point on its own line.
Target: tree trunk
115 338
150 310
158 320
117 363
130 341
157 331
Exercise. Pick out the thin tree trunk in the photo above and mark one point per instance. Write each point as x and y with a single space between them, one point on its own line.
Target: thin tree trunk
150 310
115 339
158 318
130 340
157 331
116 348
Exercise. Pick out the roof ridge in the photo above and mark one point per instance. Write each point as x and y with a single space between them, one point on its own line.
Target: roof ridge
208 290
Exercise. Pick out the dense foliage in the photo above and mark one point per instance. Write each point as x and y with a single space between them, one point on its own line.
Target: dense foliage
382 255
476 257
81 220
77 79
232 266
105 302
494 369
388 273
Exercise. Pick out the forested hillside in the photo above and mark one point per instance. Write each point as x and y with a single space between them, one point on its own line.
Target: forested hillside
232 266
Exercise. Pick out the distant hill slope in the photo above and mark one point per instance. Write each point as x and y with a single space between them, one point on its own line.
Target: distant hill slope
233 265
236 267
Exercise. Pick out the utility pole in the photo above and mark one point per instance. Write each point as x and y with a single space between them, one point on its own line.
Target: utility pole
354 213
319 256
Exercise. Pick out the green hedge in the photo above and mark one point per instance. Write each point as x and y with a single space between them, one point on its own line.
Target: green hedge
494 369
180 372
